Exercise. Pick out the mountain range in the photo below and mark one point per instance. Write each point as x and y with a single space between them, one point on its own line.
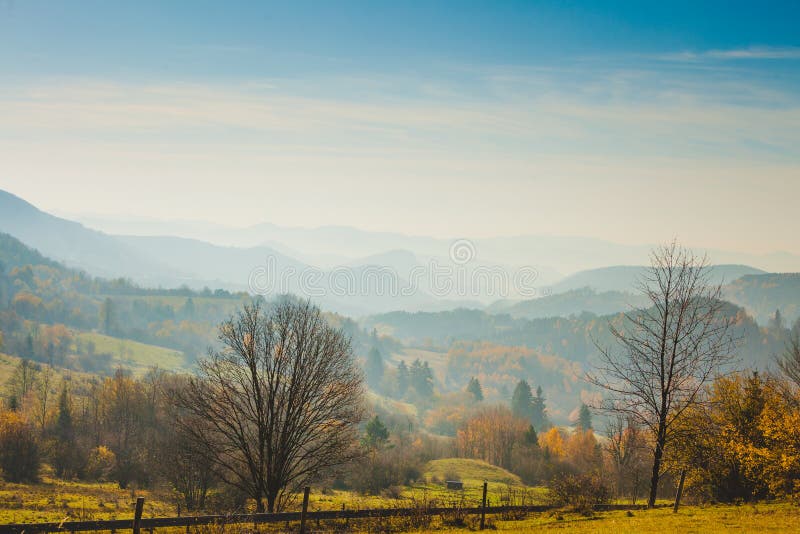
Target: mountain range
359 273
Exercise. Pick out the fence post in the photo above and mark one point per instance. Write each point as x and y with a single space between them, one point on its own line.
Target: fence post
137 515
680 492
483 505
305 510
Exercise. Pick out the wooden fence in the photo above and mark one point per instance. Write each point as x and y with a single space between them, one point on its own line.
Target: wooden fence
139 523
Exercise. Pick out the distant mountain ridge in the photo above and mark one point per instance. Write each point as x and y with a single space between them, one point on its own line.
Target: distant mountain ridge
613 289
172 261
76 245
625 277
570 302
325 246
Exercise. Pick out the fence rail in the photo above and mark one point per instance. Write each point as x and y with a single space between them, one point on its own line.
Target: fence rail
190 521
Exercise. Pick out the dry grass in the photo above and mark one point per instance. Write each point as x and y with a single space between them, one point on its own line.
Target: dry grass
57 500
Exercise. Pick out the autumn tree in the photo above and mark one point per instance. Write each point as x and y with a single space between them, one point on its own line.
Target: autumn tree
552 443
666 352
279 405
491 435
22 380
582 451
19 449
122 419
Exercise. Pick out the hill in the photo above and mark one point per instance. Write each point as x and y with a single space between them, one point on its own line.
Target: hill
571 302
762 294
76 245
470 472
625 277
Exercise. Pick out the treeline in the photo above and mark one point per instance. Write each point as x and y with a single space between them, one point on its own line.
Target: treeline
571 338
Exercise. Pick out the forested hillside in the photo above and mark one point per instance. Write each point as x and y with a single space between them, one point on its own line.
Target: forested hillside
572 338
763 294
51 313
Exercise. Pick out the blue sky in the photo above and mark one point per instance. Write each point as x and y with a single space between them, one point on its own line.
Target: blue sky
198 39
579 118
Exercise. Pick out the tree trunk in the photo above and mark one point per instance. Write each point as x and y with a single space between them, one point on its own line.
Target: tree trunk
651 501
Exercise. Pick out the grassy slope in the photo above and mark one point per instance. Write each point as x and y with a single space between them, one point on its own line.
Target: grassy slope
56 500
134 355
470 472
8 364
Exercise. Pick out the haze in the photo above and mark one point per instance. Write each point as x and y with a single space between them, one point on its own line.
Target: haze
577 122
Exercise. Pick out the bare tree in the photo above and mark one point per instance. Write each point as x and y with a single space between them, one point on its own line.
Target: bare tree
182 462
626 448
279 405
789 361
667 351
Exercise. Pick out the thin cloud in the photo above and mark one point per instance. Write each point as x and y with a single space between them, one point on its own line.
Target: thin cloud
755 52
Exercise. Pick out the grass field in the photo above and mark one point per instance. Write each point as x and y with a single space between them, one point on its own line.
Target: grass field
138 357
778 517
56 500
431 488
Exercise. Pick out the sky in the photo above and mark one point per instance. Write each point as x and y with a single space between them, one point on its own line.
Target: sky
635 122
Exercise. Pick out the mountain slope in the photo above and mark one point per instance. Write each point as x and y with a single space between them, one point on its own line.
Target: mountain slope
762 294
75 245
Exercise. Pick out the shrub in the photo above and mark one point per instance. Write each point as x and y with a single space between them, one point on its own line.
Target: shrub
19 449
101 463
580 492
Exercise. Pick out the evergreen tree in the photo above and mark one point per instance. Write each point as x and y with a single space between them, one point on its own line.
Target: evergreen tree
403 378
522 401
374 368
421 378
188 309
107 316
474 387
376 433
65 458
539 412
584 421
531 438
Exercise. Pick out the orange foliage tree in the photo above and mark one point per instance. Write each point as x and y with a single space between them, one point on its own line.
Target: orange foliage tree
491 435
